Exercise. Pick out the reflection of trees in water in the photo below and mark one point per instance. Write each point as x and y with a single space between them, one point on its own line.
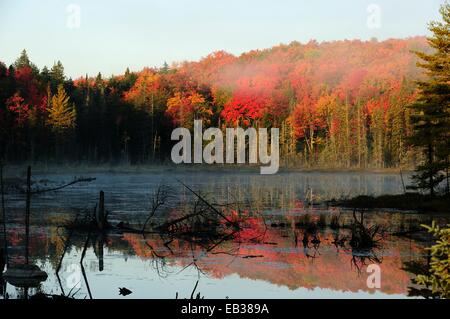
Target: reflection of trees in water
285 191
363 257
196 252
228 257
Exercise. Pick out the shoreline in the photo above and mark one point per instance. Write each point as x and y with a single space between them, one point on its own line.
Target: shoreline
403 202
41 168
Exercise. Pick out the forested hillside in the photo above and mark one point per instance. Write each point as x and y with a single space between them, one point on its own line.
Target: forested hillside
338 104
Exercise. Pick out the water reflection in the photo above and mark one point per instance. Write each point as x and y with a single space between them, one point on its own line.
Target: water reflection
283 258
296 250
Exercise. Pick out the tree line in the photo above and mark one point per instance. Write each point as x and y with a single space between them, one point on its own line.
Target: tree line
341 104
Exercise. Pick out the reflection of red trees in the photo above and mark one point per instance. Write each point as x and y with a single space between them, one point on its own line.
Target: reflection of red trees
252 229
38 245
283 265
138 246
14 238
293 269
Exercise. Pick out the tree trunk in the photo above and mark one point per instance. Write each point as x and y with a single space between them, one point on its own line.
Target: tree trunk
100 214
430 170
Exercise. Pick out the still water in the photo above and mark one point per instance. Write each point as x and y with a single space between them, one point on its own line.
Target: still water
280 263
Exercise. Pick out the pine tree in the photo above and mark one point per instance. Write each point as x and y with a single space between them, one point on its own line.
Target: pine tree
62 114
45 75
57 76
430 116
24 61
165 68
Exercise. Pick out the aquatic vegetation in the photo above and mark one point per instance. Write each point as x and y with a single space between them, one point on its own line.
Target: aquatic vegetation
438 277
204 244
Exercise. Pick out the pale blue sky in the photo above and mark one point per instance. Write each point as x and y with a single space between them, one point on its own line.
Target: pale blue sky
121 33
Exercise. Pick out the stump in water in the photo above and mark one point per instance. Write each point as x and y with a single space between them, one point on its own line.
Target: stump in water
98 250
100 214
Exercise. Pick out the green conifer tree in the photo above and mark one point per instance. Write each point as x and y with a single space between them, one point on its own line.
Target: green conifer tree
24 61
430 113
57 76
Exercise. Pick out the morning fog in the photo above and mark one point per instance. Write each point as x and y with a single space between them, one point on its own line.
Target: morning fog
232 150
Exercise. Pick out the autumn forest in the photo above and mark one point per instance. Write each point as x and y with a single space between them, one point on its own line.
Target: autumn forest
285 150
340 104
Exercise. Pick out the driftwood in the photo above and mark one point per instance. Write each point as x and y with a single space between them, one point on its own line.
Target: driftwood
210 206
174 224
75 181
204 225
159 199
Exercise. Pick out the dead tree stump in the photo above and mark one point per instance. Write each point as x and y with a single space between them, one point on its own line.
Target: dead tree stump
100 215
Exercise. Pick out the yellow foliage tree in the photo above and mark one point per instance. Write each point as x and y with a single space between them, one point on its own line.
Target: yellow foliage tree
62 113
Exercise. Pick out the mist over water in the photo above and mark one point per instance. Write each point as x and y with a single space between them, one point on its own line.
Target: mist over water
278 266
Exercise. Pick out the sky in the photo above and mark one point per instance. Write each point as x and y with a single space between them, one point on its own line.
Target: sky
91 36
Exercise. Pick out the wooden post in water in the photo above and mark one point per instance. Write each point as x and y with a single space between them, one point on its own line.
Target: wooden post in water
100 218
27 215
100 253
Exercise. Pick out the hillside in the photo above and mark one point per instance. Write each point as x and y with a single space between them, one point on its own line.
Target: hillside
337 104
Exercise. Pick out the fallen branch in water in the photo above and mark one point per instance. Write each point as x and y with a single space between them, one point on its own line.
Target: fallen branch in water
161 196
210 206
75 181
83 254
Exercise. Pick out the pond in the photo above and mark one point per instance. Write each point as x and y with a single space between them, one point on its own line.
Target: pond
276 255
